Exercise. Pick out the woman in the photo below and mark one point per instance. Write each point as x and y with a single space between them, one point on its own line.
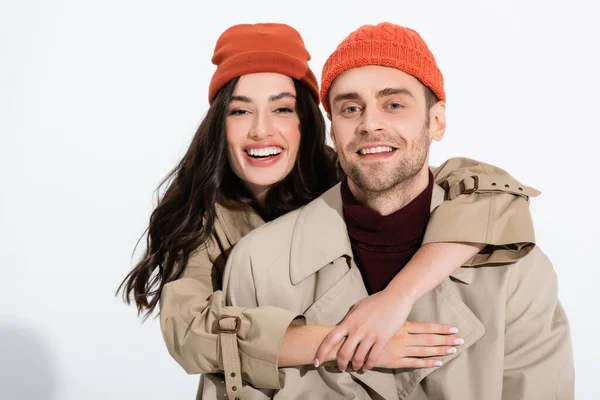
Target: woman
259 153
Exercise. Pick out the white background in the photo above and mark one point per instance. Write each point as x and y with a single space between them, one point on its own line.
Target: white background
99 100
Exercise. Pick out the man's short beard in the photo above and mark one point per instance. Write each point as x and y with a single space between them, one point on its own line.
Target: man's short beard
403 173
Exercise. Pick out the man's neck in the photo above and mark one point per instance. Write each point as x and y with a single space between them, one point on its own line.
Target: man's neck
392 200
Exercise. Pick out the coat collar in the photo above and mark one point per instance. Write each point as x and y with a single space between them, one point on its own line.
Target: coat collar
236 219
320 236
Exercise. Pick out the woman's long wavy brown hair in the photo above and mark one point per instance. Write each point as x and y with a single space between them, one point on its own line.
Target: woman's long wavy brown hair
185 215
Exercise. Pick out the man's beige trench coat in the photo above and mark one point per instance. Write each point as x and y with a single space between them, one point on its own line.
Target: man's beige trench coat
517 343
484 206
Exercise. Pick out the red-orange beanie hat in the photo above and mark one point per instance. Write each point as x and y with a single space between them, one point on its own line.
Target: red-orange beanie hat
252 48
388 45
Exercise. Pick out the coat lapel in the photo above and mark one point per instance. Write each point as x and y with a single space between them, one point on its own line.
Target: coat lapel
319 237
441 305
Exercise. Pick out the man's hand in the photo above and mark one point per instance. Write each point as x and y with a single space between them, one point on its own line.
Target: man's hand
371 324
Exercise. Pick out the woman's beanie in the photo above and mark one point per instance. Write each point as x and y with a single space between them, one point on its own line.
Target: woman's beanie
388 45
252 48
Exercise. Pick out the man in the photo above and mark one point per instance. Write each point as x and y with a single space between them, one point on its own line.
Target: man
384 95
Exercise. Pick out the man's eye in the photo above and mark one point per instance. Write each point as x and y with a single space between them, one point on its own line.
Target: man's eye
350 110
395 106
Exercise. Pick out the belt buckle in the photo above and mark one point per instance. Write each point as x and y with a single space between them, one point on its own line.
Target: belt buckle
464 190
238 323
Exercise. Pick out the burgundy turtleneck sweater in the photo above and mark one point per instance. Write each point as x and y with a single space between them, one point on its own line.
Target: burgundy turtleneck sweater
383 245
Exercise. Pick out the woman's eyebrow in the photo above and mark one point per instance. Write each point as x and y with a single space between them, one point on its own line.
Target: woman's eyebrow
282 95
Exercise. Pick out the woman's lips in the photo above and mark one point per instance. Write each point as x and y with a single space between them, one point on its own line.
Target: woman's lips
263 161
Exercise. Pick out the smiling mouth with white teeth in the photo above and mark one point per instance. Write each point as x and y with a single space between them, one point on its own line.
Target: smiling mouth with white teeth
264 153
376 150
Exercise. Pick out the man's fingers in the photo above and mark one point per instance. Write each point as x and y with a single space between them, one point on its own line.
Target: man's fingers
331 340
430 327
427 351
361 352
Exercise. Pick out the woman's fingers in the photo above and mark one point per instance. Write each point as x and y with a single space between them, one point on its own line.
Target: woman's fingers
427 351
429 327
408 362
374 355
335 337
433 340
360 355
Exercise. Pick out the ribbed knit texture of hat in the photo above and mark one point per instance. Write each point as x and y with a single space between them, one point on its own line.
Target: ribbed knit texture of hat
253 48
388 45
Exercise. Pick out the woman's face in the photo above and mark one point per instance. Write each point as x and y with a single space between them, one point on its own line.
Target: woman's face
263 130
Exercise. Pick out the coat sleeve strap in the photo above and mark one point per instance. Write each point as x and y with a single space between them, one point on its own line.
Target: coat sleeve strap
490 183
228 327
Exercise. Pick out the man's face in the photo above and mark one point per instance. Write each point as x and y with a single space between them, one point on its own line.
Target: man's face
381 127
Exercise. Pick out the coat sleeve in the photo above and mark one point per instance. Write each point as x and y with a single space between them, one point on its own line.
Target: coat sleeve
189 310
484 204
538 358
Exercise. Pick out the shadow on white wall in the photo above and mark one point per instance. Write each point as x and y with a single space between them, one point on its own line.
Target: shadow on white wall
28 369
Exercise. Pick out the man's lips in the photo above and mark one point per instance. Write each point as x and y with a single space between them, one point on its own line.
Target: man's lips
376 149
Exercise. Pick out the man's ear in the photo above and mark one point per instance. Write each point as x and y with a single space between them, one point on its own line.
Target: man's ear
332 137
437 121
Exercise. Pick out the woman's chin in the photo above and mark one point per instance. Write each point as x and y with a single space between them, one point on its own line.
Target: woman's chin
264 180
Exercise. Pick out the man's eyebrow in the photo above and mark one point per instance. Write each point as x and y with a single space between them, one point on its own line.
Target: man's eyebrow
347 96
392 91
243 99
282 95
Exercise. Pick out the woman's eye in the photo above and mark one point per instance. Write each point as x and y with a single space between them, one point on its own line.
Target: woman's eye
284 110
238 112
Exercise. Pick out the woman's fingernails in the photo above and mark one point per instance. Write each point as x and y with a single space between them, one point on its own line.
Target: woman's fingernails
437 364
453 330
451 350
317 363
459 341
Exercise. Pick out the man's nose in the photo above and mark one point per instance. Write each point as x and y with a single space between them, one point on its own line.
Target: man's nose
371 121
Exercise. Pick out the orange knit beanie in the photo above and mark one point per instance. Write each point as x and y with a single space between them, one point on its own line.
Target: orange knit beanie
252 48
387 45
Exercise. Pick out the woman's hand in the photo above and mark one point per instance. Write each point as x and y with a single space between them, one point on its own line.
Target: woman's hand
416 340
368 328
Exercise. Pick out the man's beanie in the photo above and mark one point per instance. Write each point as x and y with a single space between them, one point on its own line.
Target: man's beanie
388 45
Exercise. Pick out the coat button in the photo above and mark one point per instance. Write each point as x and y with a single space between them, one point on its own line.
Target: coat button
233 375
234 388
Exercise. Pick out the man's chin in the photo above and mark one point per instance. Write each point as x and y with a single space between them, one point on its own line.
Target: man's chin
371 182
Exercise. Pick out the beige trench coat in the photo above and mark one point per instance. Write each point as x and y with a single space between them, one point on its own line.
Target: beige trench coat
191 306
517 342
